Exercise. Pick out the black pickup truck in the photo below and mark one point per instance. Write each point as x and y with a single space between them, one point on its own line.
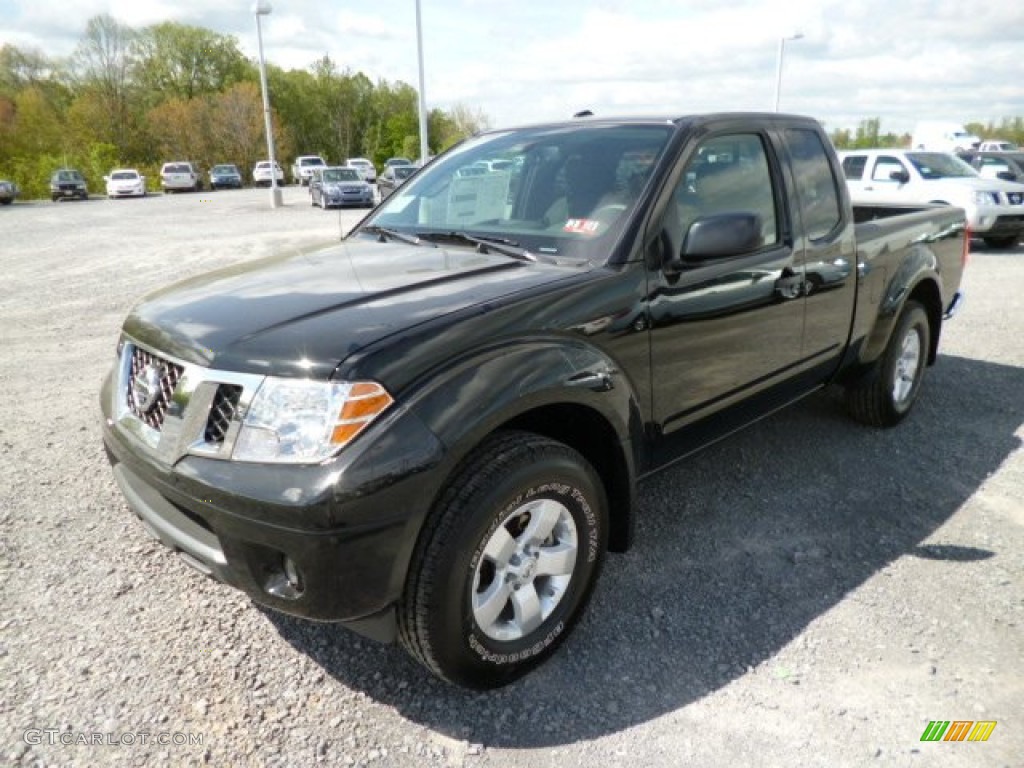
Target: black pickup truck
433 430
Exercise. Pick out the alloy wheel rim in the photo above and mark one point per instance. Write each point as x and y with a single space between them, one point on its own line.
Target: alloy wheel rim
907 365
524 570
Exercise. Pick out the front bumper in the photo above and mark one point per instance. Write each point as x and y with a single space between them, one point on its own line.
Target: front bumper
69 192
329 542
996 222
337 197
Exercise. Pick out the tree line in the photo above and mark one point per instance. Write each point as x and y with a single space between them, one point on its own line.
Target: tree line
141 97
868 134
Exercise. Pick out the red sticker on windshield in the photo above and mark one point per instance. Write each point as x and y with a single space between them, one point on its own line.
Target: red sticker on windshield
581 226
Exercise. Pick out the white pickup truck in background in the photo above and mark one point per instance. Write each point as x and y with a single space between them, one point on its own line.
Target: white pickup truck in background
995 208
303 167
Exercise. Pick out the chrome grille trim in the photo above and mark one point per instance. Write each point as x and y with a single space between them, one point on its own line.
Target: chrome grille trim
222 412
201 410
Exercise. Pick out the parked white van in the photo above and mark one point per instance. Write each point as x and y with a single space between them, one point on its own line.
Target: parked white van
937 136
995 208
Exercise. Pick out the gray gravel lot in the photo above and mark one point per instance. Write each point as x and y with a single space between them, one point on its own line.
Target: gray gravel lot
807 593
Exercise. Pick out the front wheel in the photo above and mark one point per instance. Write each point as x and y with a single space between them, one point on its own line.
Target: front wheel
886 394
506 561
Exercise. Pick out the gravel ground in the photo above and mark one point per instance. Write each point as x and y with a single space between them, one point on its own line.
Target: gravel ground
809 592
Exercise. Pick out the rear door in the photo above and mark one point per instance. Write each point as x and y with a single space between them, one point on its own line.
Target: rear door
817 195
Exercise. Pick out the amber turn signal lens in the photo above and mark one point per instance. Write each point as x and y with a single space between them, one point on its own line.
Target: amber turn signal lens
365 401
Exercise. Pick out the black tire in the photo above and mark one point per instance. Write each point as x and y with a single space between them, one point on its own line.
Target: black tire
884 396
539 505
1007 241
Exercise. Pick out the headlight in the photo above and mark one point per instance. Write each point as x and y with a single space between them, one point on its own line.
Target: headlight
986 198
297 421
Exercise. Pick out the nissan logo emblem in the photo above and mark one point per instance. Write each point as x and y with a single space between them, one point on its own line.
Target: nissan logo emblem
146 387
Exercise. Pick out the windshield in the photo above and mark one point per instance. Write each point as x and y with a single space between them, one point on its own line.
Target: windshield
124 175
939 165
311 161
225 169
403 171
562 190
342 174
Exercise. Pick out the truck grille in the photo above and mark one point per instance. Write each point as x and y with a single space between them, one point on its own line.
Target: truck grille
225 405
151 383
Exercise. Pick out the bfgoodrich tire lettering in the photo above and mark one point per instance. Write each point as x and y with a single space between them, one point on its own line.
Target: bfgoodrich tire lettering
506 561
887 393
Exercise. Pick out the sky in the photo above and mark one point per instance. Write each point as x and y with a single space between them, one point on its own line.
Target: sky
529 60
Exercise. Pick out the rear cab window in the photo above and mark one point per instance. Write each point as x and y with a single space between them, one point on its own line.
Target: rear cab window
853 166
815 183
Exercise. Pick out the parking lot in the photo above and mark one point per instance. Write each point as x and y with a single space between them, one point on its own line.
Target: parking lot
807 593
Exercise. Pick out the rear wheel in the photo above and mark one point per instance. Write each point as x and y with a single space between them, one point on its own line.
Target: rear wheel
506 561
886 394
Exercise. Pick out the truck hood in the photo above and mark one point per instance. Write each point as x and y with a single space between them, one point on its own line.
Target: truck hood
967 186
302 314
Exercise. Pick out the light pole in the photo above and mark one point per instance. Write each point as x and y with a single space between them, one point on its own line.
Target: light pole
778 68
424 148
263 8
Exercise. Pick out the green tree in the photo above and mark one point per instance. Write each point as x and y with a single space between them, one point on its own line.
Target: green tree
102 64
178 61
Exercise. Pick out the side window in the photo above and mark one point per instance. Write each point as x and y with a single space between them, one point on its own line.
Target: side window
726 174
885 167
815 183
853 167
995 164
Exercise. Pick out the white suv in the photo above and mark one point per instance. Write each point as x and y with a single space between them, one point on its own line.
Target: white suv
304 167
180 175
261 174
995 208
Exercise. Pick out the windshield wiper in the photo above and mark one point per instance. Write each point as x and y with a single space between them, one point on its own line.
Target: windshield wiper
484 243
383 234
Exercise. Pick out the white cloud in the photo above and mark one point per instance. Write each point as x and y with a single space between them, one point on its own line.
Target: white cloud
524 60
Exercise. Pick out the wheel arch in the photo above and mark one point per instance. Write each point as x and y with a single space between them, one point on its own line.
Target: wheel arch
538 387
589 433
915 278
926 293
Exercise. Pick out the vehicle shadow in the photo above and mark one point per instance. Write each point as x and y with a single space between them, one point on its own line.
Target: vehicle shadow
738 549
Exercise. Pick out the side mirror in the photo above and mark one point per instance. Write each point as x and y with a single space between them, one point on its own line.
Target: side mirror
719 236
106 178
1006 175
902 176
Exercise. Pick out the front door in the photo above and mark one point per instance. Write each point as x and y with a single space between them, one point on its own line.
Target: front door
725 329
